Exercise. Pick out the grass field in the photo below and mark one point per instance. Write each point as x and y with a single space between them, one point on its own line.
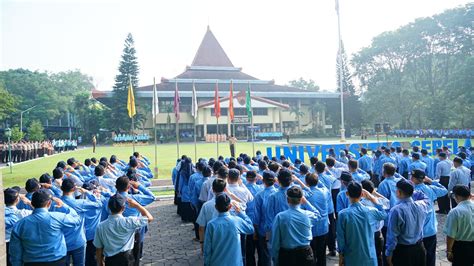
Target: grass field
166 157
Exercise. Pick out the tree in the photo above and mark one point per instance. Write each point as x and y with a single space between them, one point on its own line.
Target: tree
301 83
7 103
295 110
128 70
17 135
36 131
352 106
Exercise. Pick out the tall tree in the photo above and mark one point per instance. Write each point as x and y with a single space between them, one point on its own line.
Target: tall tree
36 131
128 70
352 105
7 103
301 83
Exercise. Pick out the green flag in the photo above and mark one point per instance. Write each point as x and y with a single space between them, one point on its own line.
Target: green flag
248 102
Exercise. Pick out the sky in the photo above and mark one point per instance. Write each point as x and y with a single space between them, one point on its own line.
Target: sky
277 40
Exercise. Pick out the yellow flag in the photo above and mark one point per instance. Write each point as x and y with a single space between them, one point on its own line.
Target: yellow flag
131 100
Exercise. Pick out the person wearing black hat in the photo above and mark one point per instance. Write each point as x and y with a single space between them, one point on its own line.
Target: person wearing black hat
114 237
260 217
12 214
355 228
405 228
89 209
443 170
38 239
459 230
433 190
222 239
416 163
291 232
460 176
342 201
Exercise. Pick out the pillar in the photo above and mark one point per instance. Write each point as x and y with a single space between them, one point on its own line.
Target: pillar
274 119
204 118
281 121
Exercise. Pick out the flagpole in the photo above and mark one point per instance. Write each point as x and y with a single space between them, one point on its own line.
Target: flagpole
155 106
177 123
343 130
133 135
251 123
217 118
194 111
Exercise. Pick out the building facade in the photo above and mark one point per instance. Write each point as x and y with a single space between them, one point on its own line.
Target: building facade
276 108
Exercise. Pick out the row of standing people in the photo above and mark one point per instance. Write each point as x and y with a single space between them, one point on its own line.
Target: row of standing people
333 193
89 213
25 150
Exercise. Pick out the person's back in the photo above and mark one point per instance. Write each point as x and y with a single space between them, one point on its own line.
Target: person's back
39 237
222 239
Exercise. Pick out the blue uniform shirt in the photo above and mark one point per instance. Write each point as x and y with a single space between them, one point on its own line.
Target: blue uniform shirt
292 229
40 238
321 199
433 192
222 239
342 201
144 197
403 165
405 223
90 210
430 170
416 165
459 222
366 163
355 233
261 202
254 189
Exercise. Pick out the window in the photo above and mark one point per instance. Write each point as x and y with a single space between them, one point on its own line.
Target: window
223 112
260 111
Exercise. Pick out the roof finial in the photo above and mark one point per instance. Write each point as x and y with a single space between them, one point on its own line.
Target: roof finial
208 27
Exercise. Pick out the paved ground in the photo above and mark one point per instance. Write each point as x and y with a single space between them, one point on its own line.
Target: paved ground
169 241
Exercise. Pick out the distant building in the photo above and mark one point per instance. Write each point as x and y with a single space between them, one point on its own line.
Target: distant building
275 107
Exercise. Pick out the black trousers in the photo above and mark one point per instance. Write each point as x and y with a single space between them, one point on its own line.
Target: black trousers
379 244
430 246
384 236
444 202
331 236
137 249
122 259
250 246
409 255
243 250
264 258
232 150
302 256
463 254
60 262
90 254
8 254
318 245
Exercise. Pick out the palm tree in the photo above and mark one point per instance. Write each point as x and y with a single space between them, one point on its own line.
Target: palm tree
298 114
315 109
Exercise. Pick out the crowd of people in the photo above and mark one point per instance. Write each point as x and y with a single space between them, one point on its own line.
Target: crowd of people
25 150
128 138
61 145
89 213
378 209
434 133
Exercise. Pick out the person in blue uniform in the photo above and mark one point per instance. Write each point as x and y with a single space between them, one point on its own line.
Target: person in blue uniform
355 230
38 239
405 228
433 190
405 161
222 239
416 163
460 176
114 237
259 221
443 170
459 230
291 232
366 162
321 199
251 240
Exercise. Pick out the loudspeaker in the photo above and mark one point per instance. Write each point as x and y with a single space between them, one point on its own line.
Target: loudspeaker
386 127
378 127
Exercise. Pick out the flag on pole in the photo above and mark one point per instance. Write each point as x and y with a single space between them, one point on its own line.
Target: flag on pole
176 101
217 104
231 101
248 102
194 104
156 109
131 100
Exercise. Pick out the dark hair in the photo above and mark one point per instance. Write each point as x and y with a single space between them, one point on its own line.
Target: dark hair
284 177
218 185
424 151
368 185
268 178
94 160
354 190
399 149
320 167
246 160
10 196
99 170
262 165
116 203
234 175
330 162
273 166
61 164
136 154
353 164
223 173
389 169
313 160
121 184
463 155
405 152
57 173
71 161
304 169
32 185
442 155
312 179
67 185
416 148
133 163
45 178
294 194
222 202
457 160
297 161
113 159
405 187
461 191
285 164
87 162
232 164
103 159
206 171
250 175
363 150
216 166
41 198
